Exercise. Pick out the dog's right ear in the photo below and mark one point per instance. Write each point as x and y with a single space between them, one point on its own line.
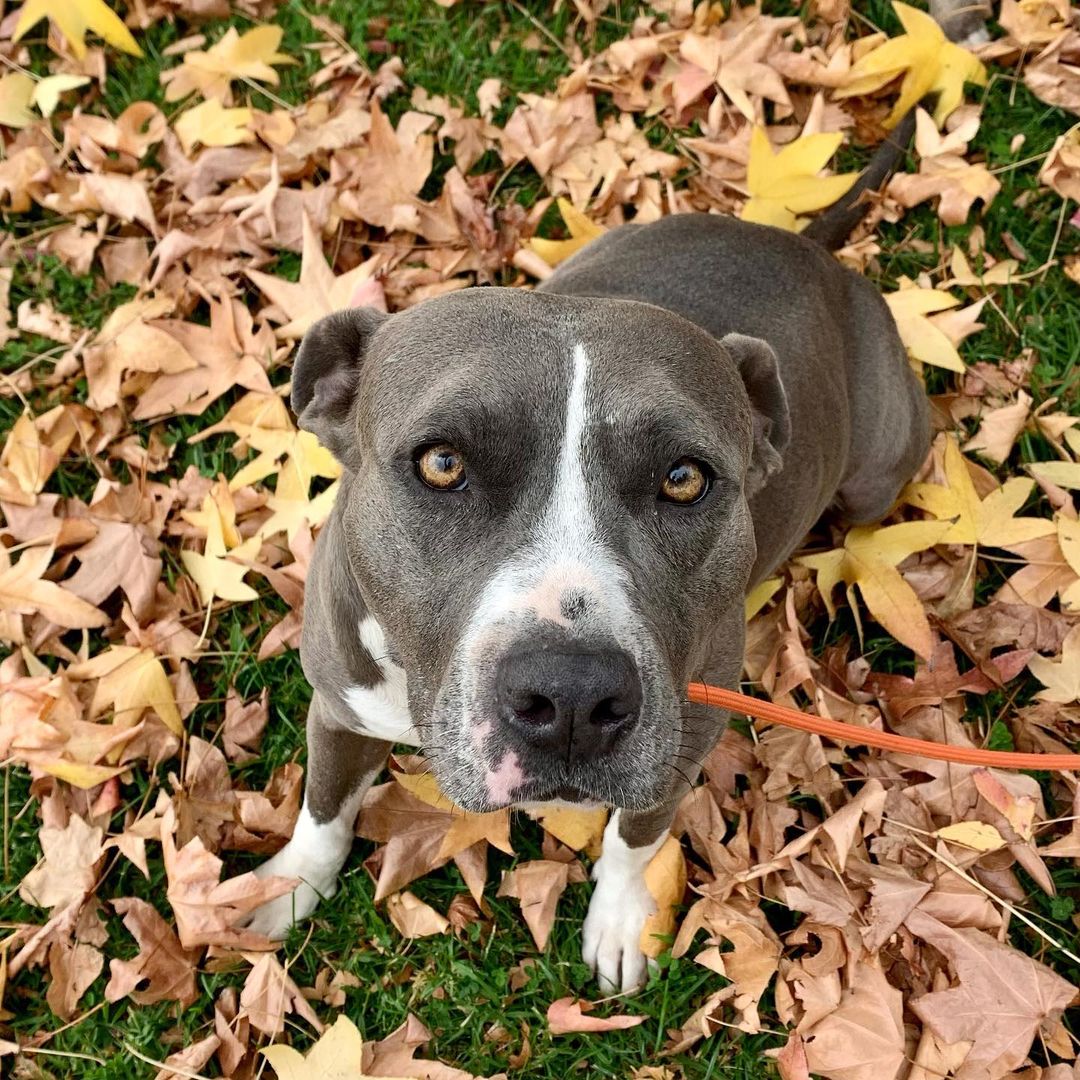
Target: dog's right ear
325 375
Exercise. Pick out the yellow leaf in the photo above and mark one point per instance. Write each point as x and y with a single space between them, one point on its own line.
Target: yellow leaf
990 521
47 91
77 775
338 1055
1062 677
581 230
131 680
868 560
1004 272
213 125
928 61
972 834
214 573
73 18
923 340
16 94
787 182
210 72
577 829
665 878
760 595
1065 474
425 787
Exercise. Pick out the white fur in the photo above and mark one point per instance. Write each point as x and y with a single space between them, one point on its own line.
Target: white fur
621 902
315 854
383 709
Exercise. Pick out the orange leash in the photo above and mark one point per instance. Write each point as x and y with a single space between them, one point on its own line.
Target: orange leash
705 694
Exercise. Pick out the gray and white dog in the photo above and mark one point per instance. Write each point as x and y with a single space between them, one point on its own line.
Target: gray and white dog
553 505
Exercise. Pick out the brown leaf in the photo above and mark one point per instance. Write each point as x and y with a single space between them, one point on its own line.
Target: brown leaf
538 886
69 869
1002 998
863 1038
166 967
269 994
567 1015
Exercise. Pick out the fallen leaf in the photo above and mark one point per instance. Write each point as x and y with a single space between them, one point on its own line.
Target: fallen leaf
211 124
248 56
1062 677
581 230
990 521
413 918
269 994
567 1016
924 341
868 560
131 680
69 868
162 963
787 182
1002 998
972 834
928 62
538 886
73 18
337 1055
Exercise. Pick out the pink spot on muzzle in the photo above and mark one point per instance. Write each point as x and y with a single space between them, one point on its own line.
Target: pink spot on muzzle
505 778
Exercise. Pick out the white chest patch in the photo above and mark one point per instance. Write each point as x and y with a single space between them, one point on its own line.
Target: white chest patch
382 710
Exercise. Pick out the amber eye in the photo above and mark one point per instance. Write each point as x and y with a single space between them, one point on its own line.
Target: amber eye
686 482
442 467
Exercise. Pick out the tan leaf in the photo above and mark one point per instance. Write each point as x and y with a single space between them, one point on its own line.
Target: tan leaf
413 918
269 994
567 1015
1002 998
538 886
70 865
166 967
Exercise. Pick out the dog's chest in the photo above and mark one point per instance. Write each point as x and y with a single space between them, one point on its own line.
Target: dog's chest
381 710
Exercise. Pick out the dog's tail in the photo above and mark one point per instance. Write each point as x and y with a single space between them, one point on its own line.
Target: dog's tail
832 228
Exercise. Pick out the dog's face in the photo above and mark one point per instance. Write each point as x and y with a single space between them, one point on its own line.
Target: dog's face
546 510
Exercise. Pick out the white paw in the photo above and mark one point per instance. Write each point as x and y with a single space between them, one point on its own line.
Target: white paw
275 918
612 931
315 855
977 37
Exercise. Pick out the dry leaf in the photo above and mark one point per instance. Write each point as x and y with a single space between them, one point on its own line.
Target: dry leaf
567 1016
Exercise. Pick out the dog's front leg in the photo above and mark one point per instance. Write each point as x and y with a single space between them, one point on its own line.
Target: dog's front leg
621 901
341 767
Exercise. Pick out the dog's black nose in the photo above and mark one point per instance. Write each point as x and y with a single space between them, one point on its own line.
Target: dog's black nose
571 703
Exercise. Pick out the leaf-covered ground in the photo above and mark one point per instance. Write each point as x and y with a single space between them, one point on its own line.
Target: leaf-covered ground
180 201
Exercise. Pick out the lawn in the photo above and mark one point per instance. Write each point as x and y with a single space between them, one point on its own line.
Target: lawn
482 988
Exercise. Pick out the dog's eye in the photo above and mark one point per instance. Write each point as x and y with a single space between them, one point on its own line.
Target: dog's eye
686 482
441 467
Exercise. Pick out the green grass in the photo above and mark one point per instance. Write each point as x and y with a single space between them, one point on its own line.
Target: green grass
459 986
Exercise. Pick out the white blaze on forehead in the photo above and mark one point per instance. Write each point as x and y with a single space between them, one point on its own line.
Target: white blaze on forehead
568 525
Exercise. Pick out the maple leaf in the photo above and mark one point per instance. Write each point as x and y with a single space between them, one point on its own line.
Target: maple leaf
868 560
131 680
128 341
167 967
1064 474
863 1037
337 1055
990 521
215 571
928 61
665 878
211 124
69 867
1061 678
269 993
317 293
413 918
32 451
117 558
581 230
924 341
229 352
210 72
786 182
1002 998
73 18
538 885
23 591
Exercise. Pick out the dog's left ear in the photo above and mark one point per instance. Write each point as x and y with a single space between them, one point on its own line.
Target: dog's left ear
325 375
760 373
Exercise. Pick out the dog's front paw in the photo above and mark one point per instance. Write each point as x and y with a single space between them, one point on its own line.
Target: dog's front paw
317 865
612 932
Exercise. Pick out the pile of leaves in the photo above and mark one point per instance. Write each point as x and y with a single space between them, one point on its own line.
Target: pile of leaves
869 912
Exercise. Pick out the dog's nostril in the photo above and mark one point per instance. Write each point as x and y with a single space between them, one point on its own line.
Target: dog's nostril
610 711
535 709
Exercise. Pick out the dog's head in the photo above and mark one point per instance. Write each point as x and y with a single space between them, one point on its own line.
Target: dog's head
546 510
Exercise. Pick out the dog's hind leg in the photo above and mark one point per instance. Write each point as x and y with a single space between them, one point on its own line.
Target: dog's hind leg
341 767
621 901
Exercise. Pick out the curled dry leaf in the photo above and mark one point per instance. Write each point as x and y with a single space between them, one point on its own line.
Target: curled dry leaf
567 1016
